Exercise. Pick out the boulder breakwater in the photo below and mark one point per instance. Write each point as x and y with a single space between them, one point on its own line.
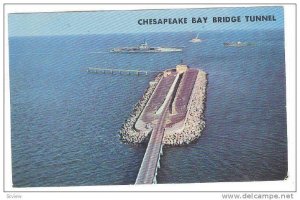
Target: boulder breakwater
194 122
182 92
128 133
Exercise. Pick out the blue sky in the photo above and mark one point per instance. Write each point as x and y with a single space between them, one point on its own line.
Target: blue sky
106 22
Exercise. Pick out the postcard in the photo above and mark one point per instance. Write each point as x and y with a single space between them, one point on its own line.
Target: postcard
130 97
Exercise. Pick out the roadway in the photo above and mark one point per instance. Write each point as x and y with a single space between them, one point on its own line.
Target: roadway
148 169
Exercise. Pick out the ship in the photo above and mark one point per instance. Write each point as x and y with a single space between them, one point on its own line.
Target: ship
196 39
145 48
238 44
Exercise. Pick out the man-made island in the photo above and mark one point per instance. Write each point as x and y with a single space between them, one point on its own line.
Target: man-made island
174 101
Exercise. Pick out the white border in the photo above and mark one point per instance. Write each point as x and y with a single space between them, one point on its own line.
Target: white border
288 185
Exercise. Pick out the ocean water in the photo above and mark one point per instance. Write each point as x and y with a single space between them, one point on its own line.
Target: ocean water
65 121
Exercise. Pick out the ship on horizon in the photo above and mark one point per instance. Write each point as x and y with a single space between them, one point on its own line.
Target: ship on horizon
196 39
238 44
145 48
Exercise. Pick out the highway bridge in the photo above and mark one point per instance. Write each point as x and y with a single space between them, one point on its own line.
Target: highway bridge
151 161
150 164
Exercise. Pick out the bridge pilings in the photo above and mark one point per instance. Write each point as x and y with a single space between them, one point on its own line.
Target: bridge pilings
118 71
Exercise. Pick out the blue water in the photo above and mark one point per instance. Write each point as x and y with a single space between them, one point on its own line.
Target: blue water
65 121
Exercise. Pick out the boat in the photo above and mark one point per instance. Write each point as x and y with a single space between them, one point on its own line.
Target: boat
196 39
145 48
238 44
